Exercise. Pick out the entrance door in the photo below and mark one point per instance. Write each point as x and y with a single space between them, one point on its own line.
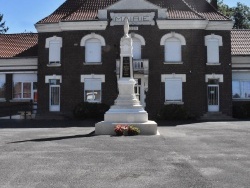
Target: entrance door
213 98
139 89
54 96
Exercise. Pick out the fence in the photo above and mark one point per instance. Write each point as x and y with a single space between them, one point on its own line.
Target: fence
24 109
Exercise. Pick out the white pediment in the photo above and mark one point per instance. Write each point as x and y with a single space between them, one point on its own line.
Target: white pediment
133 5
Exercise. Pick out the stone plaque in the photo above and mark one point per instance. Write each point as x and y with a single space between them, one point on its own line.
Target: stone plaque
146 18
126 67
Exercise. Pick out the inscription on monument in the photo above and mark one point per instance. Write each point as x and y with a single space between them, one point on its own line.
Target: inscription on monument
126 67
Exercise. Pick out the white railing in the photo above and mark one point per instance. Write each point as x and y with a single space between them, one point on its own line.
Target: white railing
140 66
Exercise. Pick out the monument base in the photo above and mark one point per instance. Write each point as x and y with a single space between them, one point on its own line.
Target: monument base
107 128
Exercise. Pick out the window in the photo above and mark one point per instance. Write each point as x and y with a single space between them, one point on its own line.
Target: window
24 86
2 86
93 48
213 42
22 90
241 89
172 43
92 90
138 41
173 50
54 44
93 51
173 90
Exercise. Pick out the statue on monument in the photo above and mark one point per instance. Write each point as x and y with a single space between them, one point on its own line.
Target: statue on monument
126 27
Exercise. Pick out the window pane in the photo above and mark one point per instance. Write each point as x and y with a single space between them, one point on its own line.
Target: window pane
236 89
213 51
2 90
245 89
93 96
136 49
27 90
173 50
54 51
17 90
93 51
173 90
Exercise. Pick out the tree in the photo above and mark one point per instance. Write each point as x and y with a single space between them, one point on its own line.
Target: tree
239 14
241 17
3 29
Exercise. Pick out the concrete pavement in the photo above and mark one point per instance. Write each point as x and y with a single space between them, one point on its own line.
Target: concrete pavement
210 154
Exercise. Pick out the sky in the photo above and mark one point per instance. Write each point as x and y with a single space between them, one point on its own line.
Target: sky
21 15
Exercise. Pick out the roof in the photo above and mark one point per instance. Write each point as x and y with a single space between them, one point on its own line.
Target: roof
18 45
240 42
80 10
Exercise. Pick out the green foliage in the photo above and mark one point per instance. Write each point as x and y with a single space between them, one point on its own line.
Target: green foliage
239 14
85 110
173 112
3 29
241 111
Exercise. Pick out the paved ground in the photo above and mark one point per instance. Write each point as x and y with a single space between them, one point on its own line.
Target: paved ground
214 154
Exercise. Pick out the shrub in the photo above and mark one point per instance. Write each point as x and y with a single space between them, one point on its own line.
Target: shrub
85 110
173 112
241 111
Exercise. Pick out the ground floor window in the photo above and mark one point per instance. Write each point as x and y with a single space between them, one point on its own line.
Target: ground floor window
241 89
92 90
24 86
2 86
22 90
173 90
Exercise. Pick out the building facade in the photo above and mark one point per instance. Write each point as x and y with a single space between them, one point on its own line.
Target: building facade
240 70
181 52
181 55
18 71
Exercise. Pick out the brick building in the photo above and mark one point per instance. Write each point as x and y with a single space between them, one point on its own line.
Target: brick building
181 55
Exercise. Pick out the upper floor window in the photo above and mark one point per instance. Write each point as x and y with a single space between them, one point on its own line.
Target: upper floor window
54 44
172 43
93 48
2 86
138 41
213 54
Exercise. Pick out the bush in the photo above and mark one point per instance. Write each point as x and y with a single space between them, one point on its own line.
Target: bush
241 111
173 112
85 110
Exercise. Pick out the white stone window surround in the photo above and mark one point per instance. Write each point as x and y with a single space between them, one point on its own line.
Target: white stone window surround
53 77
96 87
214 76
54 44
84 42
173 76
213 42
2 82
178 40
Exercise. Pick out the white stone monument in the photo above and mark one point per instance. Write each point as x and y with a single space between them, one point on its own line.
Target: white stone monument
127 109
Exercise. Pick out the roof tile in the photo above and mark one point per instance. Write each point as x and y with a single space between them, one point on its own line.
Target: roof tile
18 45
240 42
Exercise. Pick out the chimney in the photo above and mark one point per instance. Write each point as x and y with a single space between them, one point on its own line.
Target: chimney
214 3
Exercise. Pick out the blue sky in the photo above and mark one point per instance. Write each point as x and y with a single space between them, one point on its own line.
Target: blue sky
21 15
